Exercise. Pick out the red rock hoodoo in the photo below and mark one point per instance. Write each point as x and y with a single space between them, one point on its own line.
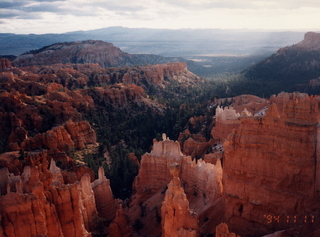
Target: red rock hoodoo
5 64
40 201
69 135
177 219
271 171
201 182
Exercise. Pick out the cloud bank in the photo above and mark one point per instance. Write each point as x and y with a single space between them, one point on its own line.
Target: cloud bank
58 16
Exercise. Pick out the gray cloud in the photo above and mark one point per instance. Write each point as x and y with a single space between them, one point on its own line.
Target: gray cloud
154 13
7 15
32 9
6 4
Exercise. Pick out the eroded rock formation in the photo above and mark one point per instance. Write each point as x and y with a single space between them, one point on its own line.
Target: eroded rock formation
104 198
119 227
227 119
222 230
270 166
177 219
201 182
68 136
89 51
5 64
39 199
311 41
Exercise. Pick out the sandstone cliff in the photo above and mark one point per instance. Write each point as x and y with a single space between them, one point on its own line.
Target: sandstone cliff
311 41
227 118
89 51
201 182
5 64
177 219
119 227
222 230
54 210
270 166
105 202
38 199
68 136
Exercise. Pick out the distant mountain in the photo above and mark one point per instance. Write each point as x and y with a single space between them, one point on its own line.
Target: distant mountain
294 68
92 51
173 43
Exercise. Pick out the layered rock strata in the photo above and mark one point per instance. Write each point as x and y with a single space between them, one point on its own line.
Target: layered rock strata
177 219
270 174
67 136
41 200
227 119
119 227
201 182
89 51
105 202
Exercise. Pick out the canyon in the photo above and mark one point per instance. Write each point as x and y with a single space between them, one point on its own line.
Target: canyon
269 174
291 68
72 134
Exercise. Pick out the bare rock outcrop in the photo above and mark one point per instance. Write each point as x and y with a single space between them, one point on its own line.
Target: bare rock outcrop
311 41
105 202
41 201
69 135
90 51
270 166
119 227
222 230
177 219
120 95
5 64
227 117
38 203
201 182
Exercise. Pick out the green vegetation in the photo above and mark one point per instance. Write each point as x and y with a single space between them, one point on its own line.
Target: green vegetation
289 70
132 128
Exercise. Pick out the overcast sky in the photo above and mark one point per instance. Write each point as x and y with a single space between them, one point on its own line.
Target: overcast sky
51 16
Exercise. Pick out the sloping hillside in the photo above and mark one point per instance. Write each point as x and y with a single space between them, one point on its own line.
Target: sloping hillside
290 68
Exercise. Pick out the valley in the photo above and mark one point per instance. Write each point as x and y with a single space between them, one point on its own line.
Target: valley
96 141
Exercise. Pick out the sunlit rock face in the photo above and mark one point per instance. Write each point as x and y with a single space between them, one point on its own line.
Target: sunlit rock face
54 210
43 200
5 64
105 202
311 41
90 51
270 167
228 117
201 182
177 219
69 135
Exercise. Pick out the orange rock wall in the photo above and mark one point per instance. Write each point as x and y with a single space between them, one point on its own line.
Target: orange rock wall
222 230
105 202
119 227
39 202
269 165
177 219
227 119
69 135
201 182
